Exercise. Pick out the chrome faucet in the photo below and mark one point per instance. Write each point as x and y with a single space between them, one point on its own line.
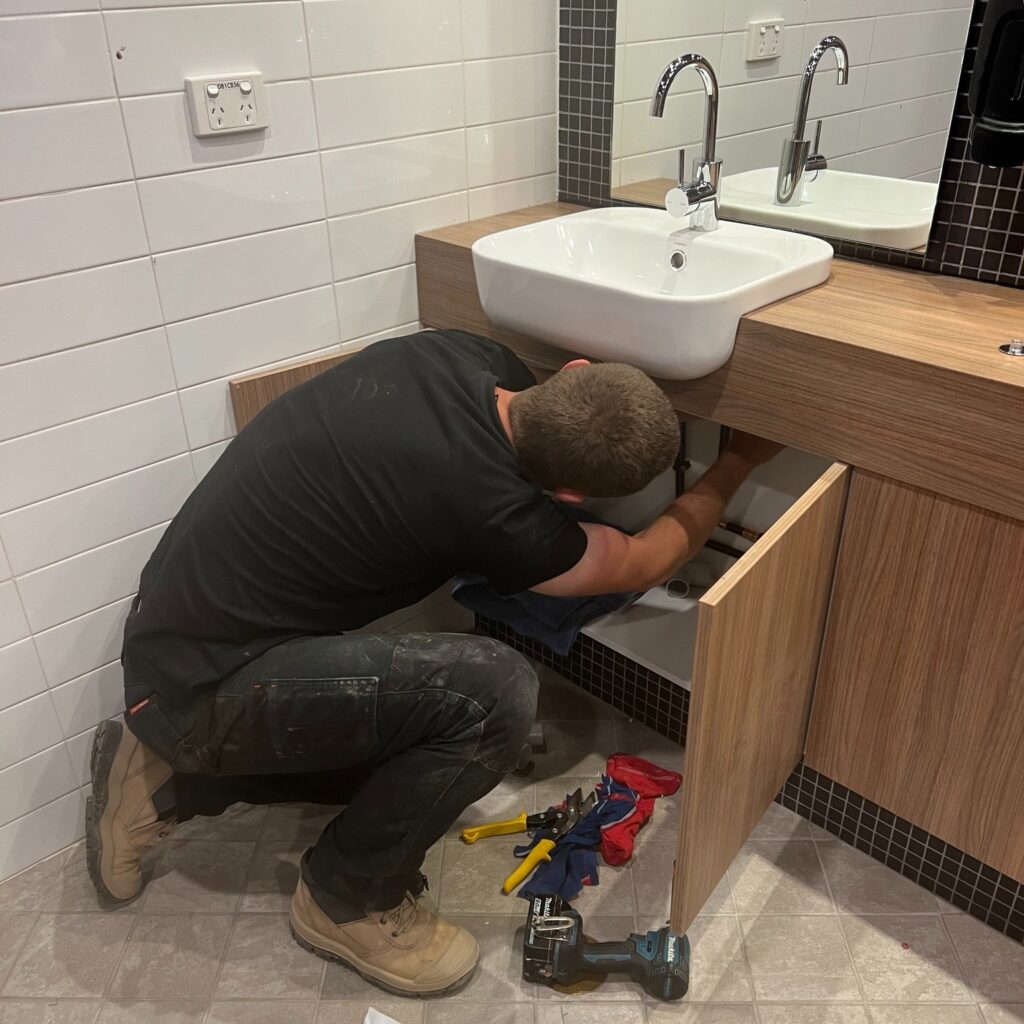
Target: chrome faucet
797 156
702 191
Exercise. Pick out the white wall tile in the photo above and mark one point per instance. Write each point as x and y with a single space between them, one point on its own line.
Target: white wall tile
377 302
857 33
512 195
904 159
739 12
897 122
13 625
54 59
511 88
681 125
34 782
163 47
510 150
643 64
914 35
204 458
80 752
52 148
81 584
207 410
90 699
384 173
839 10
37 835
367 107
46 6
369 35
27 728
67 525
55 313
734 68
67 231
364 243
83 644
914 76
229 342
161 139
220 275
497 28
62 458
658 19
58 388
5 565
21 675
204 206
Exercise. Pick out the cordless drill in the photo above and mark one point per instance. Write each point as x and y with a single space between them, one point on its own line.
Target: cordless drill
556 952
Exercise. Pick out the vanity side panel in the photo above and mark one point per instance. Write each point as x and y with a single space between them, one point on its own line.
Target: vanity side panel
758 641
920 699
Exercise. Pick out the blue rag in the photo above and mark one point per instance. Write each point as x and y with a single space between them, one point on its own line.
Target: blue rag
573 861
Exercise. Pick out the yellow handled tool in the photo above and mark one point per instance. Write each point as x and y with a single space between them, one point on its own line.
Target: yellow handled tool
496 828
541 852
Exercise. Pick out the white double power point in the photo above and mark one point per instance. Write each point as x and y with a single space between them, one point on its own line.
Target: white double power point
764 39
226 104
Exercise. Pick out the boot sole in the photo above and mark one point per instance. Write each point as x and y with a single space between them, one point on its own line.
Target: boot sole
337 958
104 750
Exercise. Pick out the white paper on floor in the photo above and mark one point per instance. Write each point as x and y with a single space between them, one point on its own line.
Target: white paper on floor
376 1017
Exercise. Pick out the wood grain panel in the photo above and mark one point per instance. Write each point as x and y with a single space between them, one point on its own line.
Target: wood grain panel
920 703
249 394
646 193
892 371
759 635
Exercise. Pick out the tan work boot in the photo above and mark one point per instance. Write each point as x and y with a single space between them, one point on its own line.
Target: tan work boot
121 819
408 951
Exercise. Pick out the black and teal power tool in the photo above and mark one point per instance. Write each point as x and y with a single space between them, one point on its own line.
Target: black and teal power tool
555 952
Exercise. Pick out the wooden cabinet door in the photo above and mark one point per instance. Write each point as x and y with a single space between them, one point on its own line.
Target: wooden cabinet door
759 635
920 701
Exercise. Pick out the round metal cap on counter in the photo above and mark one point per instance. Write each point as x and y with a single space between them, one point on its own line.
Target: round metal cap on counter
1014 347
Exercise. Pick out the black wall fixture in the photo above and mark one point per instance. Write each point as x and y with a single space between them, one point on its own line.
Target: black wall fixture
996 98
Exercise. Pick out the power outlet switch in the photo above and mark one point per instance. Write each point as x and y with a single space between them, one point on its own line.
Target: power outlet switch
764 39
226 104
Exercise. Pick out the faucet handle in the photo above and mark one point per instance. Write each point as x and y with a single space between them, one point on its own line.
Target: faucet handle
817 139
681 176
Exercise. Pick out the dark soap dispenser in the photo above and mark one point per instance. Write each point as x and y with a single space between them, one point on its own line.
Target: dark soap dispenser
996 98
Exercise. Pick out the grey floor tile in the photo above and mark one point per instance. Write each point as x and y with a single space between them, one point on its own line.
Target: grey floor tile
273 875
663 825
1003 1014
563 701
718 969
239 823
592 1013
800 959
14 930
244 1011
48 1011
441 1011
904 959
653 867
263 961
936 1013
861 885
578 748
473 876
296 823
640 741
70 955
408 1011
812 1013
772 877
200 876
498 976
172 956
72 890
512 796
140 1012
780 823
27 890
613 895
993 963
701 1013
595 988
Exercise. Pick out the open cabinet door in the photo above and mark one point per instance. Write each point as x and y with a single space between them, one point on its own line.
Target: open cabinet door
759 635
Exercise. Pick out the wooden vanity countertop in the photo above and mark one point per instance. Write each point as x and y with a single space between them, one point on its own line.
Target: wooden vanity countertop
890 370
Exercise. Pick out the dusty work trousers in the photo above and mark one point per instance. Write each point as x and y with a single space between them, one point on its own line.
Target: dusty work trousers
429 722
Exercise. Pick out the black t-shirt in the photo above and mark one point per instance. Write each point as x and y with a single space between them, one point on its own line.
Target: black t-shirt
349 497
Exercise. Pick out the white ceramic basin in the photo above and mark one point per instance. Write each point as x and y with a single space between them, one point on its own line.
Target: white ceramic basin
858 207
602 283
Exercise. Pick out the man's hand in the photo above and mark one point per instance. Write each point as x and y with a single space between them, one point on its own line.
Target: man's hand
755 451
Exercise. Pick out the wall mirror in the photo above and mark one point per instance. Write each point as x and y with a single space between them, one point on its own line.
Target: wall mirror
858 160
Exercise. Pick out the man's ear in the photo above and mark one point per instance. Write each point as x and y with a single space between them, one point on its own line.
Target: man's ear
573 363
568 497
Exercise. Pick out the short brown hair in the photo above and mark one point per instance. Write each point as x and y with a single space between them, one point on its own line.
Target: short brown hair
606 430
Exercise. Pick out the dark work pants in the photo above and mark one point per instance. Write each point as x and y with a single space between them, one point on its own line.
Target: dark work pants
430 721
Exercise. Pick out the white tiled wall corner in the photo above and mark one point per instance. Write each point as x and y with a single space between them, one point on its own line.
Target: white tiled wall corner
905 63
142 268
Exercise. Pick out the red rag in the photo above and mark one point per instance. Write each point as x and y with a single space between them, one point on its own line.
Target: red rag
647 781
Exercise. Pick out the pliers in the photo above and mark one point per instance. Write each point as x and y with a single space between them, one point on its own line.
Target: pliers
553 823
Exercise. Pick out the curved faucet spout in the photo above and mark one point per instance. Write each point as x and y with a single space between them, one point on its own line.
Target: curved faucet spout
835 44
707 76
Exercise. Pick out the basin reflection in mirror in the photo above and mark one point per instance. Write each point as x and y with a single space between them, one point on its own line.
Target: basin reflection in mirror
634 285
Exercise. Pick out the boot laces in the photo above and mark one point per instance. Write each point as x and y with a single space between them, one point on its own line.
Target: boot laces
402 917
